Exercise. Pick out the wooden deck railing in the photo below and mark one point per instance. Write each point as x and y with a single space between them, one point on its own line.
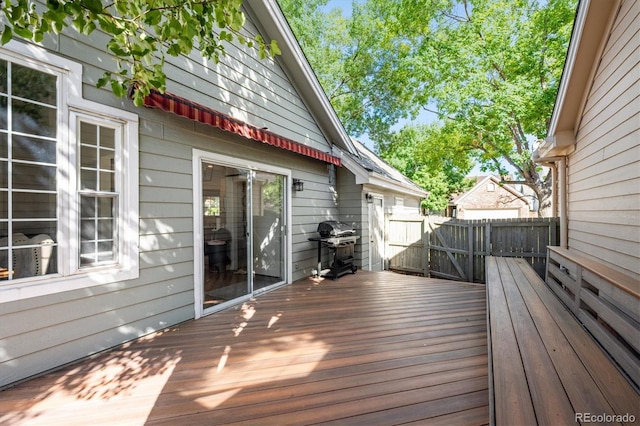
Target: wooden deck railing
605 301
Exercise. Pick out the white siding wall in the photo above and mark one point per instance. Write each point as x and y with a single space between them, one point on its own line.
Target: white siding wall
41 333
603 177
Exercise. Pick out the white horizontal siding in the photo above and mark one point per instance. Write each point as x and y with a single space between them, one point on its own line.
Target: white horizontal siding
603 172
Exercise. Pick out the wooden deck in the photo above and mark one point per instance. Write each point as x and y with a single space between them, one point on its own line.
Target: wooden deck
546 368
369 348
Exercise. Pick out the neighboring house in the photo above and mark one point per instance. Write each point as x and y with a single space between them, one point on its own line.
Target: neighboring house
594 136
488 199
120 221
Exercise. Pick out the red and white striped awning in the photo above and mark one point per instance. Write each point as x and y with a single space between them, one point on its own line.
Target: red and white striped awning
197 112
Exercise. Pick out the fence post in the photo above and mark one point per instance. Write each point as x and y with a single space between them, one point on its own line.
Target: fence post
487 235
553 237
425 245
427 232
470 260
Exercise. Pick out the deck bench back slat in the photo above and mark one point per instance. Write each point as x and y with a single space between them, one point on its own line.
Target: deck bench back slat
565 371
606 302
618 391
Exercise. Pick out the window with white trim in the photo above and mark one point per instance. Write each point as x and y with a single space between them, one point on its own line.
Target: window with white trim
68 180
28 165
98 193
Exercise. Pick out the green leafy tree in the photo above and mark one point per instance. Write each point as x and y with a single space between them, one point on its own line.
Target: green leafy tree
416 152
371 75
494 76
489 69
142 33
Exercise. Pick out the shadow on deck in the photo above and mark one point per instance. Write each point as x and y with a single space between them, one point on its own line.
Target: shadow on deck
374 348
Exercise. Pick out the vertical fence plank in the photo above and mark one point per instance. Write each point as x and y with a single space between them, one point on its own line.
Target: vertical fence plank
425 244
470 255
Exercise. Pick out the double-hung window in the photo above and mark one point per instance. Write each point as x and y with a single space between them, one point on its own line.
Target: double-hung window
68 180
98 193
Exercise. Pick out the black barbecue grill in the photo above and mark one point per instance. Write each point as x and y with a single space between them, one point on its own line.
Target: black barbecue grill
340 238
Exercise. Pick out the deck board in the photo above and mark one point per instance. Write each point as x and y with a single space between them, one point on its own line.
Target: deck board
374 348
544 364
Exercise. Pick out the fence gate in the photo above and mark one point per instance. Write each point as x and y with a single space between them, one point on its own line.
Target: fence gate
451 249
405 241
455 249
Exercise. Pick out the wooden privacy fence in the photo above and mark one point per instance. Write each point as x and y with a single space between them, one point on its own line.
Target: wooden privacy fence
455 249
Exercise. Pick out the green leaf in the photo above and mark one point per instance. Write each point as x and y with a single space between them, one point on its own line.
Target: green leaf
153 17
94 6
23 32
72 8
79 23
114 46
53 4
138 98
174 50
185 44
6 35
104 80
221 18
107 25
90 27
117 88
58 26
275 49
237 20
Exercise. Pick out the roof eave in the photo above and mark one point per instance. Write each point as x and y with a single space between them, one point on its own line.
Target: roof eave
366 177
560 144
293 59
382 182
593 20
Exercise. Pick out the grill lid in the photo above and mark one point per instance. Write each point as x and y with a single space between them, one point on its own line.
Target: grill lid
333 228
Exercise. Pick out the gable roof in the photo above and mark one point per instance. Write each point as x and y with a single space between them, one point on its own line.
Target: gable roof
592 23
480 182
367 166
269 17
373 170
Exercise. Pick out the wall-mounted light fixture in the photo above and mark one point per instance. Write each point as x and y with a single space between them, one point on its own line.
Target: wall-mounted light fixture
369 198
298 185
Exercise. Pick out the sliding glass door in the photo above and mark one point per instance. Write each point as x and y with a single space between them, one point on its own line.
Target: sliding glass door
225 230
242 226
268 218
